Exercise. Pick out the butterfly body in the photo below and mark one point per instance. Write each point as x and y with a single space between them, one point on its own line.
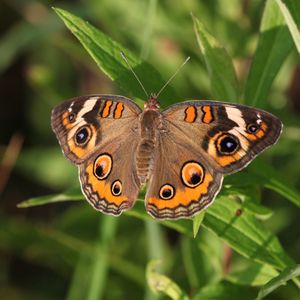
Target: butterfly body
181 153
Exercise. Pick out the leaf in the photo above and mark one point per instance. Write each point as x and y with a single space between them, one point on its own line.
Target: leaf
260 211
245 234
273 47
281 279
263 174
161 284
225 291
99 271
294 8
255 275
106 53
197 221
224 84
70 195
290 23
203 259
270 179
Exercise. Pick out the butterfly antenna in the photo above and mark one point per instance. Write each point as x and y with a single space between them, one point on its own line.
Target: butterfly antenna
171 78
131 69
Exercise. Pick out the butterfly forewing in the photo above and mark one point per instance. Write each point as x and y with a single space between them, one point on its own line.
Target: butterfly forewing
230 135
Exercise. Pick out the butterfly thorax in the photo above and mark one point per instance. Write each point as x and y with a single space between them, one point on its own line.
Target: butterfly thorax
150 123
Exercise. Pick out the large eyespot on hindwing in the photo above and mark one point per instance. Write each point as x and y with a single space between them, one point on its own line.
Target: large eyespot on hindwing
192 174
83 135
227 144
102 166
166 192
116 188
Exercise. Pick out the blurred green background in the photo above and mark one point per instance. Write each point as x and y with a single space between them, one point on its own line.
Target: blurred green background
68 250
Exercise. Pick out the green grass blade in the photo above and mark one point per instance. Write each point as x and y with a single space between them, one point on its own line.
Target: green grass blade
274 45
254 275
259 172
152 8
106 53
224 84
80 281
70 195
162 284
107 229
224 291
294 8
282 278
273 181
290 22
197 221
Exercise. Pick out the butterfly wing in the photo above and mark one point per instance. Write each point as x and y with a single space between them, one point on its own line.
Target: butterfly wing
99 134
230 135
182 182
201 141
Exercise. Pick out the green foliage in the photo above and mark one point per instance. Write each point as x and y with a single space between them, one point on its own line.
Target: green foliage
243 244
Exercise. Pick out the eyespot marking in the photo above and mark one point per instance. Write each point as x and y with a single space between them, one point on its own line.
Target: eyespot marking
252 128
106 109
207 116
192 174
190 114
71 117
102 166
82 135
166 192
227 144
118 110
116 188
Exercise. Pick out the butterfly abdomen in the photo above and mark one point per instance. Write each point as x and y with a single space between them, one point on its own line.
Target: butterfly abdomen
145 151
144 159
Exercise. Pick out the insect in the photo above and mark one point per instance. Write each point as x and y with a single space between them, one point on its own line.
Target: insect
180 153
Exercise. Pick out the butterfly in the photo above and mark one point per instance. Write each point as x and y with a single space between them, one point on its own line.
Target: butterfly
180 153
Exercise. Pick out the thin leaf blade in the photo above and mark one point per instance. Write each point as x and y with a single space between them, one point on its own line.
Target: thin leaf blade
276 282
224 84
106 53
290 23
273 47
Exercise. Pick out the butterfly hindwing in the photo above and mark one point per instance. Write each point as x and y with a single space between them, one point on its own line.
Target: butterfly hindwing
182 182
109 178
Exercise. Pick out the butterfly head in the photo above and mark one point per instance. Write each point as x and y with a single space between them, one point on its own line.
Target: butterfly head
152 103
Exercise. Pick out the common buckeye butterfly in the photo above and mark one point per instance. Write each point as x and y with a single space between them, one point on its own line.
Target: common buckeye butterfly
181 153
